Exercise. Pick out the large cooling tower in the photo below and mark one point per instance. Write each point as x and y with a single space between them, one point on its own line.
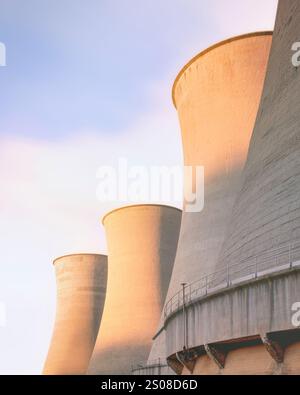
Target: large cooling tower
242 319
267 212
81 288
217 96
142 242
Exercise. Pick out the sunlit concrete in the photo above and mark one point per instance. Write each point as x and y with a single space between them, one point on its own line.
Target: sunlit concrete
81 288
142 242
258 307
266 213
253 360
265 216
217 96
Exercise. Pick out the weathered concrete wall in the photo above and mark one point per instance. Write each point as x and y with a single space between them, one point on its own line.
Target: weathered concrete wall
217 96
158 348
142 242
256 308
254 360
81 288
266 213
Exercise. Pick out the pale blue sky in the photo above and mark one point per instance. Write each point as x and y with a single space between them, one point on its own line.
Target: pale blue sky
75 64
86 82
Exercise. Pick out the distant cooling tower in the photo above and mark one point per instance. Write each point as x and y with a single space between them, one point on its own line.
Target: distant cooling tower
142 242
217 96
81 287
242 318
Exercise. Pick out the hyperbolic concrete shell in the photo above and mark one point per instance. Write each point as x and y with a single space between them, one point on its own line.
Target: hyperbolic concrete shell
267 211
81 288
265 216
217 96
142 242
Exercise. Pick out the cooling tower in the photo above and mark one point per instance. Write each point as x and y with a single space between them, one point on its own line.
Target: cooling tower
243 317
217 96
267 211
142 242
81 288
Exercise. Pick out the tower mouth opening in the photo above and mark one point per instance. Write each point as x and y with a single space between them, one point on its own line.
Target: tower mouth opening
211 48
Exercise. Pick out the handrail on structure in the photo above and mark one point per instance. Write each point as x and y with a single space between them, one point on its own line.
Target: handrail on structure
156 363
281 258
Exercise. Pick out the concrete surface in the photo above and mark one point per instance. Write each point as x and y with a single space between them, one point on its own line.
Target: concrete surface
260 307
266 213
217 96
253 360
142 242
81 288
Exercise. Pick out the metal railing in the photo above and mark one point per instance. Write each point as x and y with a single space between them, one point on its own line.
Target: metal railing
275 260
155 363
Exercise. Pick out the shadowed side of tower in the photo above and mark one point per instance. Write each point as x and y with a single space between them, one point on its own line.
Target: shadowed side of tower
81 288
244 322
217 96
267 211
142 242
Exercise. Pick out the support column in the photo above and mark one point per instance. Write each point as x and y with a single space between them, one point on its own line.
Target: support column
216 355
274 348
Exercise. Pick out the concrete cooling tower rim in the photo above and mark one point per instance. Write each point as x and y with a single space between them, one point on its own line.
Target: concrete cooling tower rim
211 48
79 254
137 205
